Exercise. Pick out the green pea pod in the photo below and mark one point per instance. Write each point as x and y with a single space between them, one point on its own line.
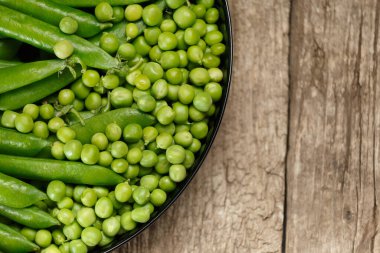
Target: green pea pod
14 242
52 13
32 217
49 169
98 123
20 75
6 64
93 3
9 48
15 143
44 36
16 99
18 194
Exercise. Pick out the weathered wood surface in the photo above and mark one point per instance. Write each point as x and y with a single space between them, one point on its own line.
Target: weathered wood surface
235 203
333 157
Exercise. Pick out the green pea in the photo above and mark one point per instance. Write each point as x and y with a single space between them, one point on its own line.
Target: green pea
131 31
24 123
127 51
109 43
89 154
168 25
127 222
132 171
199 130
113 132
100 141
202 101
184 139
159 105
66 202
142 82
116 204
134 156
160 89
93 101
174 76
132 133
167 184
40 129
211 61
182 128
123 192
177 172
199 10
149 159
142 46
150 182
189 159
46 111
158 197
148 206
146 103
186 94
90 78
104 12
199 76
192 36
165 115
216 75
29 233
119 149
119 165
64 248
153 71
57 150
133 12
141 195
152 15
218 49
184 17
207 3
121 97
43 238
195 54
212 16
91 236
137 93
164 140
167 41
181 113
89 197
155 53
72 150
140 215
181 44
58 237
163 165
175 4
86 217
105 158
175 154
51 249
77 246
111 226
8 119
65 134
63 49
151 35
169 59
149 134
65 216
118 14
110 81
78 190
32 110
183 58
170 129
56 190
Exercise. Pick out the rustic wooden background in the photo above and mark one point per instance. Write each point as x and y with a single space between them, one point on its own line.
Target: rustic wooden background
296 163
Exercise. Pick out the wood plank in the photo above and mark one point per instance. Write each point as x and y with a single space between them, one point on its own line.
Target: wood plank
333 160
235 203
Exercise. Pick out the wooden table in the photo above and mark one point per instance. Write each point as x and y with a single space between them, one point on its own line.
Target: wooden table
295 166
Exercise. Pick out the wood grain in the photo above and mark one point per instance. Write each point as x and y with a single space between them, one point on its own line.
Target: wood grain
333 159
235 203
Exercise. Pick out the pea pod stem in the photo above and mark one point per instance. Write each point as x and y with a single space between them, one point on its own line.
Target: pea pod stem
52 13
93 3
26 194
13 142
32 217
98 123
20 75
14 242
44 36
66 171
16 99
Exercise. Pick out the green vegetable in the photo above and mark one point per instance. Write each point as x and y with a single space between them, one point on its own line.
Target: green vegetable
32 217
26 194
36 91
52 13
12 142
27 73
93 3
121 117
9 48
47 170
45 36
6 63
14 242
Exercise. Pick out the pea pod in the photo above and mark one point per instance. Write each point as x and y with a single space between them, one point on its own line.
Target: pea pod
9 48
98 123
18 194
52 13
36 91
14 242
20 75
45 36
32 217
49 169
6 63
93 3
13 142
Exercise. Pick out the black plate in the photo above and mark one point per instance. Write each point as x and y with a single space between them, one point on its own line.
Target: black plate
226 28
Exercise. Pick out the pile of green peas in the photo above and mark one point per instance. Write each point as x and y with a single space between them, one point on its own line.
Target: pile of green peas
172 72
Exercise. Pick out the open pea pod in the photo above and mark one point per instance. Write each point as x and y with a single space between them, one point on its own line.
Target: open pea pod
13 242
93 3
18 194
32 217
